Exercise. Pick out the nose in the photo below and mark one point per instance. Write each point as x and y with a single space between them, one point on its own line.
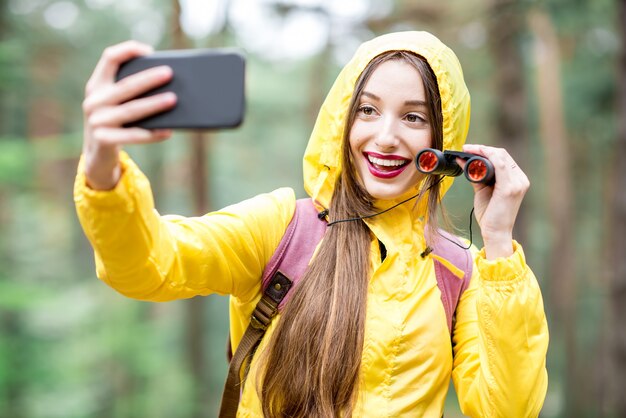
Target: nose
386 138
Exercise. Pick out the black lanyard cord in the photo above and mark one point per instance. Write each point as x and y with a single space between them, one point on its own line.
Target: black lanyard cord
388 209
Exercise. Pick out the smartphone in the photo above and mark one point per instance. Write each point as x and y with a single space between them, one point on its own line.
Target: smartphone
209 85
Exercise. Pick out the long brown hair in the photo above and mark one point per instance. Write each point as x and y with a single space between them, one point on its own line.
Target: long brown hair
312 363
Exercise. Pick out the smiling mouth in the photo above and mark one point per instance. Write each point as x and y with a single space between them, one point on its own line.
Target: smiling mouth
386 166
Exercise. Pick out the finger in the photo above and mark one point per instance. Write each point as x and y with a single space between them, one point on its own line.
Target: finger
506 168
475 149
500 159
125 136
116 116
493 154
111 59
127 88
509 175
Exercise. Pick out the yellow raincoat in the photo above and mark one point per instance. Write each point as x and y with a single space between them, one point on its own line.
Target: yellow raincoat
500 337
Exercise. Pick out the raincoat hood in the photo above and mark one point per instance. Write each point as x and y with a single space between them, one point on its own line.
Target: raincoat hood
322 159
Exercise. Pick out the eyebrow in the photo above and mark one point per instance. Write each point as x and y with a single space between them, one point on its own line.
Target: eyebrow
415 103
371 95
408 102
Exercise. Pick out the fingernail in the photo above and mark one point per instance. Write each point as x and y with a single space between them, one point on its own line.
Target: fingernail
145 50
169 97
165 70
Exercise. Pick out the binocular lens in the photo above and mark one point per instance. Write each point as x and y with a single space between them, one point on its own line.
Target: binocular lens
428 161
444 163
476 170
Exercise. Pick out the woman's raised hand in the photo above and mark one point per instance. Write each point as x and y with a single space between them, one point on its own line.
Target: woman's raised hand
109 105
496 207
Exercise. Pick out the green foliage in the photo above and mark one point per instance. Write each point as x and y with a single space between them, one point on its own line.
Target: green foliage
16 163
12 58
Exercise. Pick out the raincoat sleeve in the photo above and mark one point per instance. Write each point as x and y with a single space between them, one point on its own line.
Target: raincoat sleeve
150 257
500 340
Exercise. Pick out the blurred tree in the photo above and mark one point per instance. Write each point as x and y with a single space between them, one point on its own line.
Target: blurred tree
617 288
4 62
506 29
195 325
14 341
12 400
4 21
409 14
555 141
45 112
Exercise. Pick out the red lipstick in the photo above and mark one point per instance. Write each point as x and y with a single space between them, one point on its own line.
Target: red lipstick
385 166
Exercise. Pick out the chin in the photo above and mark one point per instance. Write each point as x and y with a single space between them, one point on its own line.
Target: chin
396 189
384 193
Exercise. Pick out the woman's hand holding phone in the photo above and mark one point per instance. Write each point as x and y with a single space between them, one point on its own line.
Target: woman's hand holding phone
496 207
108 106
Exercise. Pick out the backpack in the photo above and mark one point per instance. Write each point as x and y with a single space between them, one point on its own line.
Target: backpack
287 266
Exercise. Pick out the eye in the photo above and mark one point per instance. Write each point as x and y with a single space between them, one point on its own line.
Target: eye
367 110
414 117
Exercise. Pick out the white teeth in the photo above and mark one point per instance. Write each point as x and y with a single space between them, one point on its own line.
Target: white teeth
386 163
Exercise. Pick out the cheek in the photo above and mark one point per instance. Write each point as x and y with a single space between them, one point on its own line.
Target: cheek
421 142
355 139
429 139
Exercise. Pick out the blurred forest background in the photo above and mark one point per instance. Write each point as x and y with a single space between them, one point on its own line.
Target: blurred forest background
548 82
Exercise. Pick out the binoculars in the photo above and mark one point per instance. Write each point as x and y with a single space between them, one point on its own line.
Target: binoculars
477 169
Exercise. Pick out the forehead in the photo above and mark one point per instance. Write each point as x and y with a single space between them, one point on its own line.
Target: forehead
396 77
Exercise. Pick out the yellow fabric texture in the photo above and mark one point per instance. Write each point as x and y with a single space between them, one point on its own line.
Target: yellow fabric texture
497 354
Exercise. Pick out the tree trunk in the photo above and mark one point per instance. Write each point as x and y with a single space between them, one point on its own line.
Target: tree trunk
45 113
316 93
562 277
15 386
411 13
4 21
617 292
506 26
194 315
4 33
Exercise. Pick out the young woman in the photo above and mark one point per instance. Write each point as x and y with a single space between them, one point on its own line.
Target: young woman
365 333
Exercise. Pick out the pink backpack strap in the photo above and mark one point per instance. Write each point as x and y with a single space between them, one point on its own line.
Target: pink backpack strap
296 249
283 271
450 285
286 268
306 230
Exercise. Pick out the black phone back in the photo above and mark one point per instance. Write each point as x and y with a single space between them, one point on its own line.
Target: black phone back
209 84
